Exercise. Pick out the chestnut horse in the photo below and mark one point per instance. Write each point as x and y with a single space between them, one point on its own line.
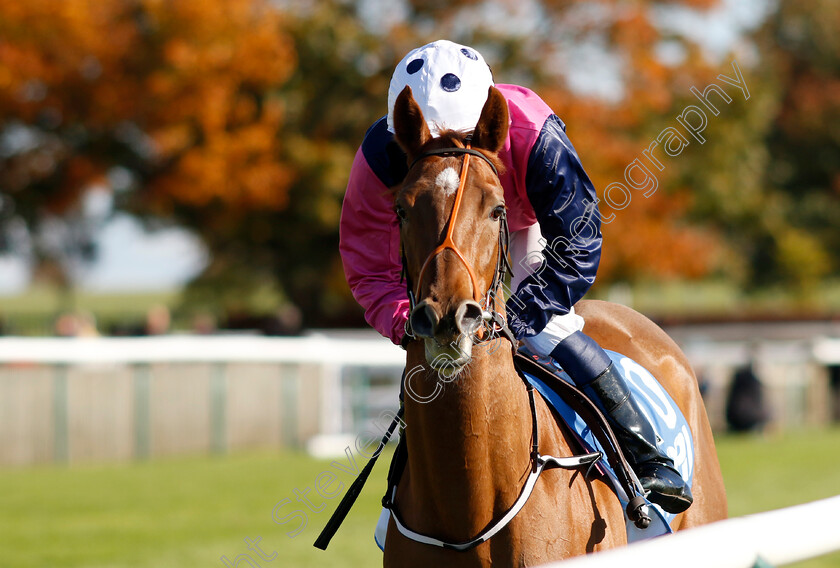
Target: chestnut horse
469 436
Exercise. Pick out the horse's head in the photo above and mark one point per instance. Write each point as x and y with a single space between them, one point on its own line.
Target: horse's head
452 225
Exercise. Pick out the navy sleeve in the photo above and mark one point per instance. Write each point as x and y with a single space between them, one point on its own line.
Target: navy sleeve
565 204
383 154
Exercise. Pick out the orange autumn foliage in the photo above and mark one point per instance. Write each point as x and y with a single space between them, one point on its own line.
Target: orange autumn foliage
650 237
182 90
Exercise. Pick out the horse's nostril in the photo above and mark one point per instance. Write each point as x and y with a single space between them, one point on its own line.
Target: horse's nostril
468 317
423 320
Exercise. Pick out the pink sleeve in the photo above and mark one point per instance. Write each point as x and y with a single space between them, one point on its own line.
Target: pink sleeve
370 251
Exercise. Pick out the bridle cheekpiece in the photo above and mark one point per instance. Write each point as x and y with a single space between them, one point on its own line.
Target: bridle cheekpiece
494 323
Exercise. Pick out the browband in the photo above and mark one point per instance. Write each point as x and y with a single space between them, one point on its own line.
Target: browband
454 151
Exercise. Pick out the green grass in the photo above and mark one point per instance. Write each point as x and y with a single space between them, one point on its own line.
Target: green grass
765 473
34 311
173 513
190 512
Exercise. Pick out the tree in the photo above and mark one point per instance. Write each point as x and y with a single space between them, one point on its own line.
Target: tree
170 104
240 120
330 99
803 57
770 182
608 132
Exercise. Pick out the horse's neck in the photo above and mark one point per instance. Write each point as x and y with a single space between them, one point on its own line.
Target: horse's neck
469 446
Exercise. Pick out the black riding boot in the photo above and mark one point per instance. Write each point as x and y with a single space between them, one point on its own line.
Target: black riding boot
593 371
635 434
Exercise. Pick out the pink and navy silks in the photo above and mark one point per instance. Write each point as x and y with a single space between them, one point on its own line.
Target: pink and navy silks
544 182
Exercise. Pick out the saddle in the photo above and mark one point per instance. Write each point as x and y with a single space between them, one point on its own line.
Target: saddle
590 428
672 430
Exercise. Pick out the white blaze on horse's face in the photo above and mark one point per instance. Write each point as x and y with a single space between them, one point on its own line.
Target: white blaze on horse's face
450 235
447 181
448 313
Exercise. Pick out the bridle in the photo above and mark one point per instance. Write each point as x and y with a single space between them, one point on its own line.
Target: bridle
494 323
494 326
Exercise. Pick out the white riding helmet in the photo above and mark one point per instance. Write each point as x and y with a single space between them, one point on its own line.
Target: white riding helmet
449 81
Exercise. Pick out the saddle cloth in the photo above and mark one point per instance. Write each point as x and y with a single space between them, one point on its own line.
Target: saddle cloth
673 436
672 431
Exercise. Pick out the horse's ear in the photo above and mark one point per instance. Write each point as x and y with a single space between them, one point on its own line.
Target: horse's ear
410 128
492 128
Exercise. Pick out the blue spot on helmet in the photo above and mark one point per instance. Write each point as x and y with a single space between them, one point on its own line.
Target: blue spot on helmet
450 83
414 66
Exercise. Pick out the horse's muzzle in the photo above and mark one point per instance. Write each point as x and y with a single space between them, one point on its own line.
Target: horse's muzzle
448 337
428 323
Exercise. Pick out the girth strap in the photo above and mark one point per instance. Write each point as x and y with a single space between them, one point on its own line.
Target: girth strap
636 508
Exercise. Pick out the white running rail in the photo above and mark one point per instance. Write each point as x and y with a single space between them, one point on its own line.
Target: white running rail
776 537
366 350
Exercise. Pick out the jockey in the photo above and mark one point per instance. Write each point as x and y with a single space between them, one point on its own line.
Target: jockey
555 243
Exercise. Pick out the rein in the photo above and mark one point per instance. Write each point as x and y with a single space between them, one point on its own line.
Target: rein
496 325
493 321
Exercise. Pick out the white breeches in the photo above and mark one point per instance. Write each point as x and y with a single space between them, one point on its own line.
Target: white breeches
526 257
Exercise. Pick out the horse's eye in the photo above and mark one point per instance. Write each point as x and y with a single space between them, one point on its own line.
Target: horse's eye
498 212
400 211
